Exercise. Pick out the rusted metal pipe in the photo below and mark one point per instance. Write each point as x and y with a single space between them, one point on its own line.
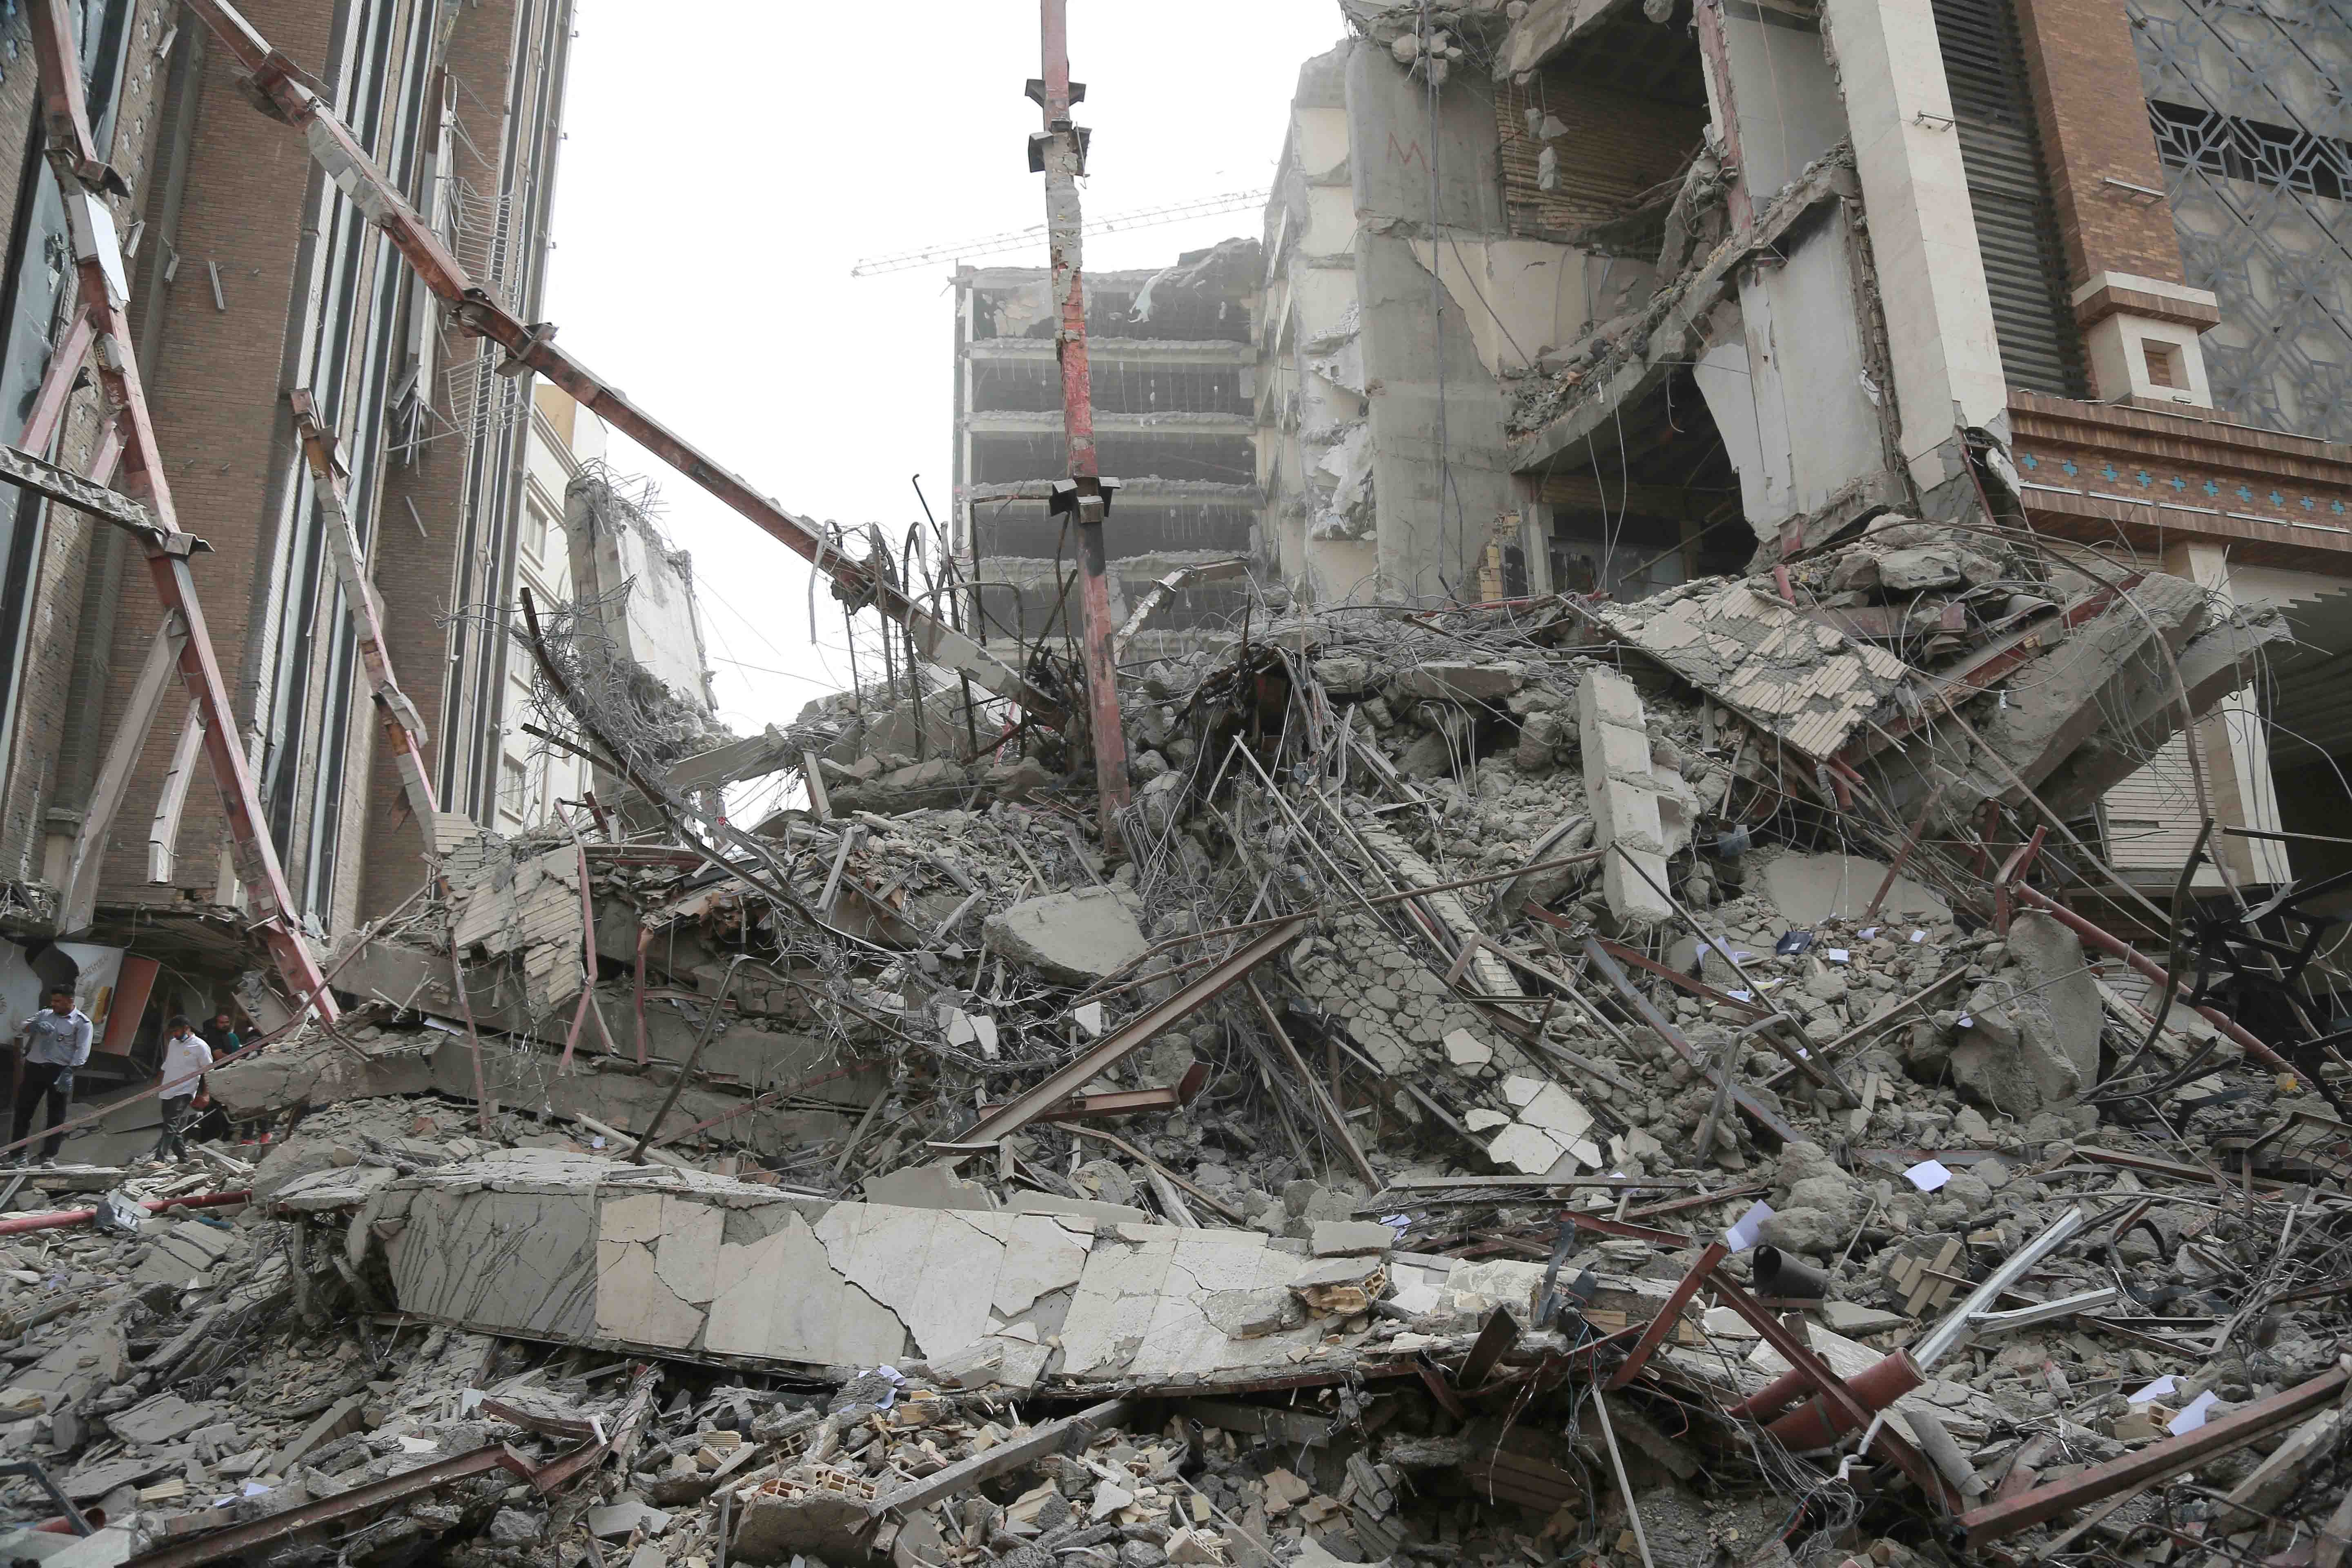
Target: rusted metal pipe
64 1217
1060 155
1817 1424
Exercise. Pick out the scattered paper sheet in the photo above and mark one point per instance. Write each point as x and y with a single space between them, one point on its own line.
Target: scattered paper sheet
1928 1174
1743 1233
2157 1390
1090 1017
1918 936
1837 954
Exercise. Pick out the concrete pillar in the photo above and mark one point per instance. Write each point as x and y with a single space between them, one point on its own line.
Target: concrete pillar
1622 792
2140 320
2232 743
1947 361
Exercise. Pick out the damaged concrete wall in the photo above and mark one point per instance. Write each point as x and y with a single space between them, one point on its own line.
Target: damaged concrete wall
1940 325
642 590
1790 361
1440 459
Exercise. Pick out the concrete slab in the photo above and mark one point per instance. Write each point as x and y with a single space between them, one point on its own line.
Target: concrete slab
1077 937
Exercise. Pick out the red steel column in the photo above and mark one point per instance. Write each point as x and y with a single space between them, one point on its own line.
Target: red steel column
1059 153
98 265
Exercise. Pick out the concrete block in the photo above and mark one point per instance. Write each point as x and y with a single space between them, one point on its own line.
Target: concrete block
1078 937
1340 1237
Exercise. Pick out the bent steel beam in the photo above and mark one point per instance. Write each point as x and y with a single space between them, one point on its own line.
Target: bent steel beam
404 727
102 292
531 345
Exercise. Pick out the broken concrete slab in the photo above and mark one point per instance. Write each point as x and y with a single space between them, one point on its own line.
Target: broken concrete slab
701 1265
1076 937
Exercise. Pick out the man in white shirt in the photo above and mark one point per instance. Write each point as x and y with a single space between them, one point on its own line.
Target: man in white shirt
56 1041
186 1057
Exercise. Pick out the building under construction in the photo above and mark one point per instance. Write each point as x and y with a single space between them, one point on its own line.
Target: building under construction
1623 849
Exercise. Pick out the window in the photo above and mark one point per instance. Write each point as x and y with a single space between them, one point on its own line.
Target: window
514 786
535 523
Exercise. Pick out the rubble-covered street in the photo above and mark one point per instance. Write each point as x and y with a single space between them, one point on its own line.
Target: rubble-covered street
1501 1103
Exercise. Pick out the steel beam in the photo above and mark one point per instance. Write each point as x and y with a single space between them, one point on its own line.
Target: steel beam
402 725
1059 153
1130 1037
532 346
103 291
1997 1521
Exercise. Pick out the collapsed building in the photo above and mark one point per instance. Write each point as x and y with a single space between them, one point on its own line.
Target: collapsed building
1747 998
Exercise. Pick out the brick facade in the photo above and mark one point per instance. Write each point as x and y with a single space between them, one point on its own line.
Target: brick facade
2094 122
234 197
50 741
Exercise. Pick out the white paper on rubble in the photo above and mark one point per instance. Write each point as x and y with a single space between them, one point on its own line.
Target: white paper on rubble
2157 1390
1928 1174
1743 1233
1837 955
2192 1418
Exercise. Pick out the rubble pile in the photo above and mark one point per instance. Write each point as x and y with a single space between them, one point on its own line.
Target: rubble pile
1579 1082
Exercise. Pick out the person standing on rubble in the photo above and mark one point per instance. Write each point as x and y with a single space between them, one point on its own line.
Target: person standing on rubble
220 1033
55 1040
182 1077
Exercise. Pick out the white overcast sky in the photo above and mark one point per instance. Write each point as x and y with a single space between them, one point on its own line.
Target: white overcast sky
723 170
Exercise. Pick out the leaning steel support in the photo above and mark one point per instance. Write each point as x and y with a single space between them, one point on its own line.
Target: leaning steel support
278 84
103 290
404 727
1059 153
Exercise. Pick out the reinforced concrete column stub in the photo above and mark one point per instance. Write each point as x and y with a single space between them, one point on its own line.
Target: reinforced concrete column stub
1624 796
1923 233
2232 743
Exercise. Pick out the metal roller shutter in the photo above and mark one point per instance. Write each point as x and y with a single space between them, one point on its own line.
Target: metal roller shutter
2017 229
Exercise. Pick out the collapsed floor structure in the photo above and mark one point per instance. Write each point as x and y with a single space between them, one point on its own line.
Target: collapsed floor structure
1590 1043
1520 1096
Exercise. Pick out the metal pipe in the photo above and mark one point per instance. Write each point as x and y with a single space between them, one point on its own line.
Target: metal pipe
1817 1424
1060 153
59 1221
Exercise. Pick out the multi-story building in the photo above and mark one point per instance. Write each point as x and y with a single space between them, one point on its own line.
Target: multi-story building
1603 296
254 278
1173 372
535 778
